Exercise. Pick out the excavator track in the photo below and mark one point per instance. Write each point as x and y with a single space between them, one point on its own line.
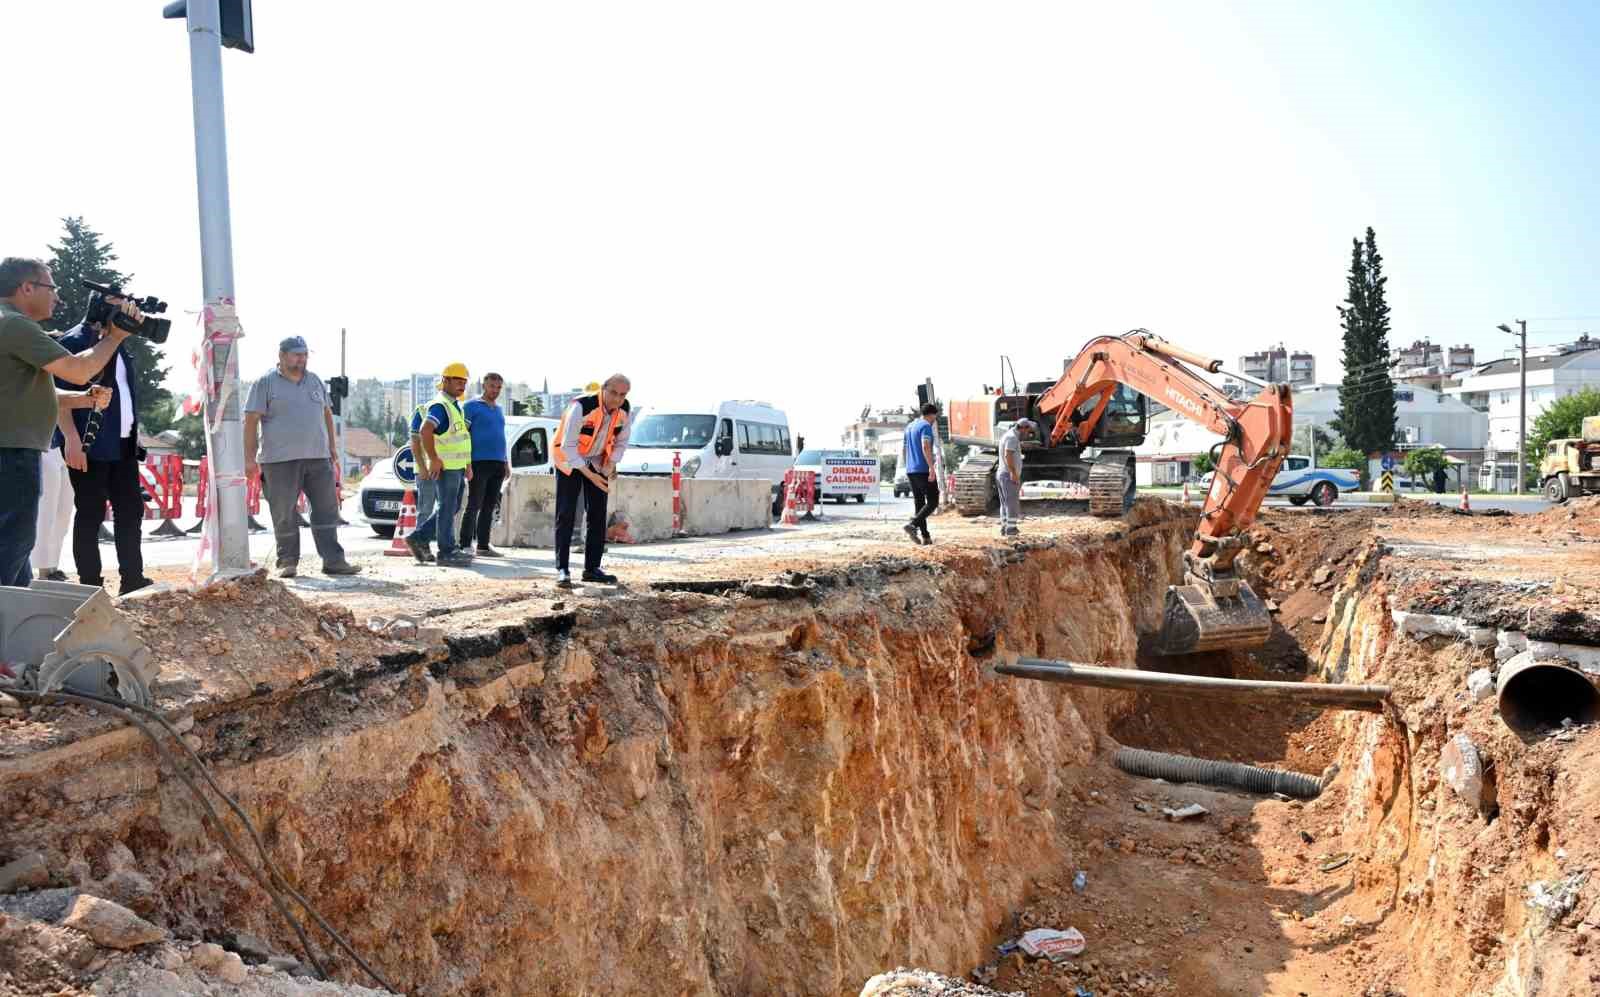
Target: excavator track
1110 493
976 493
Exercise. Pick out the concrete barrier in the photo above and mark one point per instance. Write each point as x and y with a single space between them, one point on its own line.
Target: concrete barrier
711 507
528 515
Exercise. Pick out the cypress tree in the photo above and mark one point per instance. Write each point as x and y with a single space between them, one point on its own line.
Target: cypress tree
1366 416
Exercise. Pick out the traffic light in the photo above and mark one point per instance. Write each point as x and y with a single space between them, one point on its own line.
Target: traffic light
237 29
338 389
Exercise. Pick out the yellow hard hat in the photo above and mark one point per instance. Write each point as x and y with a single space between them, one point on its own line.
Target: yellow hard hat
593 386
455 370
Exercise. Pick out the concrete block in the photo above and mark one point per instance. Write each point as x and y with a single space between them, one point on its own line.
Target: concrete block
528 518
712 507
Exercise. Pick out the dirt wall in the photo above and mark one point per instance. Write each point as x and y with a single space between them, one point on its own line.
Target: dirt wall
680 794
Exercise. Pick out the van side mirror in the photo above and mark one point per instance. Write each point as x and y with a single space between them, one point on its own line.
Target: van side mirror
724 446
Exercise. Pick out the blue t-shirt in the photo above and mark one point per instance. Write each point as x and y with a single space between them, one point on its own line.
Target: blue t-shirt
916 463
488 425
436 415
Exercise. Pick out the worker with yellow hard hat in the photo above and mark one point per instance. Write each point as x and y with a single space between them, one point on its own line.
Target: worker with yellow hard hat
445 458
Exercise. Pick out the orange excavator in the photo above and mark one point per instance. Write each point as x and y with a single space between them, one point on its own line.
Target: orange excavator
1099 403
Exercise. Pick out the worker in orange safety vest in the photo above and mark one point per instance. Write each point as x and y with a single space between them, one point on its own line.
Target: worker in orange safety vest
589 443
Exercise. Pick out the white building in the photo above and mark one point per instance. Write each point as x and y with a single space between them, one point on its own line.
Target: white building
1553 372
1274 365
1423 419
877 432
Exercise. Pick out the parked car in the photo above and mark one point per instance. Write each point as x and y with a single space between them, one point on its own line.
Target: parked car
1300 483
715 440
527 439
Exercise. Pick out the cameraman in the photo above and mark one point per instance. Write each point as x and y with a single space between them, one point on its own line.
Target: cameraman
102 454
28 356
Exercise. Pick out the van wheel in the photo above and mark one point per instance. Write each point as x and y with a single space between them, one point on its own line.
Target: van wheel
386 532
1324 494
861 500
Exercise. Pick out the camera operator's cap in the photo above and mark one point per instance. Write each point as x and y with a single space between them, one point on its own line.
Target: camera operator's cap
293 344
1027 424
455 370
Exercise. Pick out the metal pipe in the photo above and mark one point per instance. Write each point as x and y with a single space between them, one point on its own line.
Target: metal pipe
1155 344
1369 698
1538 694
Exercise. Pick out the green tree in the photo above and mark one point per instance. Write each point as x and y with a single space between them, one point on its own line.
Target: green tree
82 256
1562 420
1421 464
1366 416
1202 464
1345 457
535 404
1325 441
191 436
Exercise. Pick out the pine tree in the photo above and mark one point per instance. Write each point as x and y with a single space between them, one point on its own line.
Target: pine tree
1366 416
82 256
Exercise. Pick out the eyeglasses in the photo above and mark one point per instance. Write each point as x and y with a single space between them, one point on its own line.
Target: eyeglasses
37 283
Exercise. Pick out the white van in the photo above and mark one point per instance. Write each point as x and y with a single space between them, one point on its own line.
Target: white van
733 439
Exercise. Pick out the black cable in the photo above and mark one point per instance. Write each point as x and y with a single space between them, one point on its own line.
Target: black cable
126 711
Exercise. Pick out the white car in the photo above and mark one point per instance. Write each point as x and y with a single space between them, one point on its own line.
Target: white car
527 440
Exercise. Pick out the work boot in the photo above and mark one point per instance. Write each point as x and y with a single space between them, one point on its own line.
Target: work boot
489 552
419 550
564 580
54 575
288 570
131 585
911 531
342 568
927 539
599 577
455 559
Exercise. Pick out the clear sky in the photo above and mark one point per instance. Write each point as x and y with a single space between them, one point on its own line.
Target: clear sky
821 204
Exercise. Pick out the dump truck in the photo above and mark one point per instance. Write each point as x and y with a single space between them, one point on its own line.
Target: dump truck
1572 466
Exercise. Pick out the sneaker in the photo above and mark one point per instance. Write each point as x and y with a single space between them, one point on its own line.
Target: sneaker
564 580
599 578
911 531
455 559
342 568
288 570
130 585
419 550
54 575
489 552
927 540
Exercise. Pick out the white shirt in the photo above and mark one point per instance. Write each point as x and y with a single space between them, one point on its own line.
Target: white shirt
125 396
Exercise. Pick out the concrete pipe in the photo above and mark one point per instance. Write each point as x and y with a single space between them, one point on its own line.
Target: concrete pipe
1538 694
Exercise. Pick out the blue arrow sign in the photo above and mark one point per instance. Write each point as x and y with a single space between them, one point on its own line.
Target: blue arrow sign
1388 462
405 466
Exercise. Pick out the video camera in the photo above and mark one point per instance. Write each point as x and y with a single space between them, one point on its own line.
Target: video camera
100 311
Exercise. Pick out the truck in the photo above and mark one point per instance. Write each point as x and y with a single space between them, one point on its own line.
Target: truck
1572 466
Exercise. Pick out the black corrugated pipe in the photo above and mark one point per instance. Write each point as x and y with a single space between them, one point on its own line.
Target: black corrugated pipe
1182 768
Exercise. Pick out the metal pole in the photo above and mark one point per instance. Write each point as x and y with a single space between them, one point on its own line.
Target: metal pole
1522 408
226 444
340 424
1350 697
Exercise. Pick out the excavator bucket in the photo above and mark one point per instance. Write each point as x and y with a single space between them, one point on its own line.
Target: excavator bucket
1196 619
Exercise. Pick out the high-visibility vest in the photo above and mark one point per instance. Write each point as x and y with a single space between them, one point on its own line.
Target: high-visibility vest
590 443
454 445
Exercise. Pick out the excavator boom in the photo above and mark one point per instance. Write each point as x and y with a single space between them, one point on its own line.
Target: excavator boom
1213 608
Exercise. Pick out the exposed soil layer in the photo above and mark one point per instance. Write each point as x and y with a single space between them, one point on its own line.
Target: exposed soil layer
789 779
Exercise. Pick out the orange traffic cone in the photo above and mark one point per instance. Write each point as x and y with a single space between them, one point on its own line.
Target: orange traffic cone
789 516
1466 504
404 526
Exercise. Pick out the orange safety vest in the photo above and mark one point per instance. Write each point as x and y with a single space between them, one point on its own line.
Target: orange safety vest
589 442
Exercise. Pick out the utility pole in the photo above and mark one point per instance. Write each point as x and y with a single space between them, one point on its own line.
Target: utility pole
1522 400
225 432
340 425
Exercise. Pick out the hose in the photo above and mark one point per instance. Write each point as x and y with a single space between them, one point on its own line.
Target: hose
1182 768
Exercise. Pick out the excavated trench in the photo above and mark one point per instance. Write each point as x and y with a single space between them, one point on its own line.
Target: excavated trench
789 788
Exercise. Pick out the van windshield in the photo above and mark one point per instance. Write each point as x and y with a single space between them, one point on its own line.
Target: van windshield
679 432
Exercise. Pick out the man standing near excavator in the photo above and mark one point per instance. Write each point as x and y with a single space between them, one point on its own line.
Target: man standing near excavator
1009 477
919 473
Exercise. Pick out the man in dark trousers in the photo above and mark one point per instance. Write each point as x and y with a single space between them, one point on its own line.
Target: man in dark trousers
490 464
589 443
102 453
920 473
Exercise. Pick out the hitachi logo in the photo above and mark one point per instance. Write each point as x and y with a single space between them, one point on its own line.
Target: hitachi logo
1184 402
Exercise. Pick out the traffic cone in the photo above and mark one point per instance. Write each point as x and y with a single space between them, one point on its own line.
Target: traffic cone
1466 504
789 517
404 526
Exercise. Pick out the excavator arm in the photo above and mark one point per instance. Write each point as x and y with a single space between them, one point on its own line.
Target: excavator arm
1213 608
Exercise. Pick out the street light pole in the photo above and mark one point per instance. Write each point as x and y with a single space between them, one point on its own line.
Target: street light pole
225 438
1522 400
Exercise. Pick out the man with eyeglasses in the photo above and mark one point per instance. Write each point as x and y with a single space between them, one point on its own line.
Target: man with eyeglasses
29 358
589 444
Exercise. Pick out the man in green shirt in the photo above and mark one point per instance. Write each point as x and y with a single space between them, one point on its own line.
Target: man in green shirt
28 359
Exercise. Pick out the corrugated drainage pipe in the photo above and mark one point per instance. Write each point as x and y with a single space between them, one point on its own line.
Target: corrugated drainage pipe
1182 768
1538 694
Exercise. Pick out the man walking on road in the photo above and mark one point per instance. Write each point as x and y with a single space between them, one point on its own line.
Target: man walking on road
289 413
447 444
486 420
919 472
1009 478
589 443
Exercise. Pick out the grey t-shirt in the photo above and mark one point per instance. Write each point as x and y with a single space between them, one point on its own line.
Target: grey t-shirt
27 393
1010 443
293 426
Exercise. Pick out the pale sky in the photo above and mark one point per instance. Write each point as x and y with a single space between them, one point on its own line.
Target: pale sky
821 204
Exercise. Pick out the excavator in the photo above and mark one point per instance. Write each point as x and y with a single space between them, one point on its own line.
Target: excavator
1100 404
